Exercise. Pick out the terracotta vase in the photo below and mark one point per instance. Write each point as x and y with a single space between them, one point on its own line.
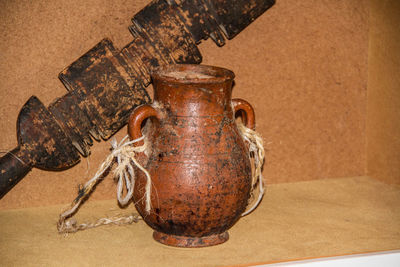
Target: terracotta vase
197 160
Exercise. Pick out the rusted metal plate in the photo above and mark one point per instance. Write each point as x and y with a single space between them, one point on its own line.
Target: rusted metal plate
235 15
103 90
46 145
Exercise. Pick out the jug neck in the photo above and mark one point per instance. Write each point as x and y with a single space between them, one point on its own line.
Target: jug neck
189 90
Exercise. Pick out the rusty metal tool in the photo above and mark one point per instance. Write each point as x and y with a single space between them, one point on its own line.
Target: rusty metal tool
106 84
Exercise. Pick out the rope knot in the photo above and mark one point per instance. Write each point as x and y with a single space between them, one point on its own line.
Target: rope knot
124 154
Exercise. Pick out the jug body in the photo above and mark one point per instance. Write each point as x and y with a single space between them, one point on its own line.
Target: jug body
198 162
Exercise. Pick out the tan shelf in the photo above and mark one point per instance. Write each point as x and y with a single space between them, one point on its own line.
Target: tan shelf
296 220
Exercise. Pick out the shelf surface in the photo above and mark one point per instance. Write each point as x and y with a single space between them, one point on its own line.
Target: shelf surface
295 220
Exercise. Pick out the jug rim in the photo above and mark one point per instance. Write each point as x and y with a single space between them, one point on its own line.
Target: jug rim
192 73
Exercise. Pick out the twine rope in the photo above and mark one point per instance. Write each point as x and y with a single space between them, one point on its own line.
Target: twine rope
124 154
72 226
257 156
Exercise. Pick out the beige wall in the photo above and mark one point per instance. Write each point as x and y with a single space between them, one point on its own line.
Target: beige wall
383 121
303 65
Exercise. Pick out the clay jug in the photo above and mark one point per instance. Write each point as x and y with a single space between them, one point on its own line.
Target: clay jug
198 162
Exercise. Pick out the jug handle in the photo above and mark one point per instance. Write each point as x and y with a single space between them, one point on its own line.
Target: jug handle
247 112
137 117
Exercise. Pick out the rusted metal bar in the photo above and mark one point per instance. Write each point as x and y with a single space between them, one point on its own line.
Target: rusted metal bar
106 84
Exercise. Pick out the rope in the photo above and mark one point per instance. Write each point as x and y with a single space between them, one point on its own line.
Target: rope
124 154
257 156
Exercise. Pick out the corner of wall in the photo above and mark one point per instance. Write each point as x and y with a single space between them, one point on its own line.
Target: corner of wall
383 97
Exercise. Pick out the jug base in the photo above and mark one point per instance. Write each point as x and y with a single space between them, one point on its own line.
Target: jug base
190 241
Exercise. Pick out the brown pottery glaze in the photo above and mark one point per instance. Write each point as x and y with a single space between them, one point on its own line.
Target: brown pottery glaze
197 160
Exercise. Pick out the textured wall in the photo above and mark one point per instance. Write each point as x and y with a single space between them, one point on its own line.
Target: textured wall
303 65
383 122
